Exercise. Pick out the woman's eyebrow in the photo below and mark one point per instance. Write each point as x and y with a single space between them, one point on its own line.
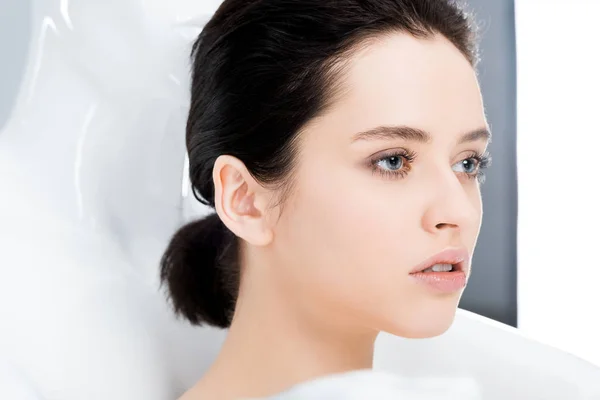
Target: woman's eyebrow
416 135
481 134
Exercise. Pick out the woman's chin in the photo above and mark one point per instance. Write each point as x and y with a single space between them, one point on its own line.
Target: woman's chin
427 326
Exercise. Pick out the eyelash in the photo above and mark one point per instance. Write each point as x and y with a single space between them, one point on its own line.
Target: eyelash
407 157
483 161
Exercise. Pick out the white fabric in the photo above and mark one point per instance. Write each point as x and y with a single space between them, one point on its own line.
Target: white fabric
91 168
378 385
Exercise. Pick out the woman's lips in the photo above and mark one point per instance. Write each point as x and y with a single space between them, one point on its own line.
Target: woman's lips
444 282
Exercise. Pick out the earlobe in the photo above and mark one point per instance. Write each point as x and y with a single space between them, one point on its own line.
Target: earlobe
236 201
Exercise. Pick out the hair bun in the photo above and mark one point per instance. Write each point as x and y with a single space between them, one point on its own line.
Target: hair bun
200 274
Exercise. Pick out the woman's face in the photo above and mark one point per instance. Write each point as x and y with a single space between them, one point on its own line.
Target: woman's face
387 179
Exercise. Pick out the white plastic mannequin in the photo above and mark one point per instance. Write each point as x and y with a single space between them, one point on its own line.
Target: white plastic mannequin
92 165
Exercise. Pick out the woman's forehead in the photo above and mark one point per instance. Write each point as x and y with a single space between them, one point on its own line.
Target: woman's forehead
425 84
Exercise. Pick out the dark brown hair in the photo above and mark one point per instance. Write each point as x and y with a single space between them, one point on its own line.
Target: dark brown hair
262 69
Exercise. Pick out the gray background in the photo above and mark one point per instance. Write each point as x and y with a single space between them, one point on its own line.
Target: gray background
14 40
492 290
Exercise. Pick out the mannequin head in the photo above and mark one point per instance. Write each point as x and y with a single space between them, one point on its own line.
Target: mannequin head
341 144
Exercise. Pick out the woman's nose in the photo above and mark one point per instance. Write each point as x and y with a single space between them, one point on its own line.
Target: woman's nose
452 205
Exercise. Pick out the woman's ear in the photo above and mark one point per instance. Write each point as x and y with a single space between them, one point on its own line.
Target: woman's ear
241 201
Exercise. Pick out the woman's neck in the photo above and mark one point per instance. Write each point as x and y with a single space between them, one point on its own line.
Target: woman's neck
272 346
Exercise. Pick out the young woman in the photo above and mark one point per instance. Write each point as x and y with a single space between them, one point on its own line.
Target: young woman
342 144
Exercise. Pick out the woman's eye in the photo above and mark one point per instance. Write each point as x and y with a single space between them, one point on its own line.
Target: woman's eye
468 166
391 163
399 163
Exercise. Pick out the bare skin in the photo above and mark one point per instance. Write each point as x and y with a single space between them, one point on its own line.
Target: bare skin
325 273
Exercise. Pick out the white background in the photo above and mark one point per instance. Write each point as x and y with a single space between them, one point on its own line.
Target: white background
558 145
